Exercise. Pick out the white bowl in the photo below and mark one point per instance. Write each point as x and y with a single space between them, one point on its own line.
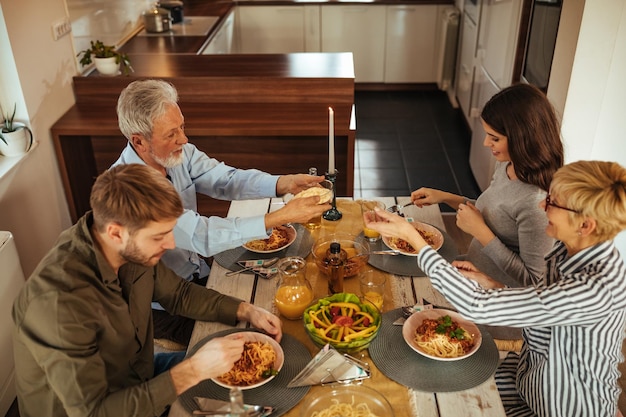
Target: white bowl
432 231
291 234
257 337
416 319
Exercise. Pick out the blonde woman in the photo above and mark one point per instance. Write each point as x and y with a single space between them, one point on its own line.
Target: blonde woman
573 323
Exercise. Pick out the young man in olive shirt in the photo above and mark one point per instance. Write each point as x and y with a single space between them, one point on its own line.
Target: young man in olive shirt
83 335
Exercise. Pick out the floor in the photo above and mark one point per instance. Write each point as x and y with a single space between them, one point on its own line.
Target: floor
407 140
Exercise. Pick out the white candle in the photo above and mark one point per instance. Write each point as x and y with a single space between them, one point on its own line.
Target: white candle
331 141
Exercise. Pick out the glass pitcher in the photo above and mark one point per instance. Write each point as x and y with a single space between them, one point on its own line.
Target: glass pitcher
294 293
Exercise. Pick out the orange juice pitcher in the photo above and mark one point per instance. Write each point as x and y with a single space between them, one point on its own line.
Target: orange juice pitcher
294 293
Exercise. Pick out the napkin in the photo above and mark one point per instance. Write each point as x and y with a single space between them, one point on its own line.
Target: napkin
330 366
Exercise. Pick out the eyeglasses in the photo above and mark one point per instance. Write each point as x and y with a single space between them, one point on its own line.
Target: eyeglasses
549 202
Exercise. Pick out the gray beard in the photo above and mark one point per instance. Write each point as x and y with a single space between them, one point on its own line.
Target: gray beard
170 161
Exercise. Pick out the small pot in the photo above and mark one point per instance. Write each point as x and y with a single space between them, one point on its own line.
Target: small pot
157 20
176 9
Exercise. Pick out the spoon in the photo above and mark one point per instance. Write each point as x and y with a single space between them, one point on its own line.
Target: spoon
397 208
266 263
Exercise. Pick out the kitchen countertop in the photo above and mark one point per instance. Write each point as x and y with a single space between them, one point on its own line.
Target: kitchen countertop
182 41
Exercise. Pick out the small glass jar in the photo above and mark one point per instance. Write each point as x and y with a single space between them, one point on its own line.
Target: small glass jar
294 293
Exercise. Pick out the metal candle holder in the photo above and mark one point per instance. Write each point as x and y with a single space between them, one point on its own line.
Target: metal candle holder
333 214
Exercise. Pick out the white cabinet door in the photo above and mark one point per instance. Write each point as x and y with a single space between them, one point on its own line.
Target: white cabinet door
410 47
312 27
497 39
359 29
271 29
223 40
465 69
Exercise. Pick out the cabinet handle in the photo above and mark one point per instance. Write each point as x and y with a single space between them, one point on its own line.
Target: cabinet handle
404 8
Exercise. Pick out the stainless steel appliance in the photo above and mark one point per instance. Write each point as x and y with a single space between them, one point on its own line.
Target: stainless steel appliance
544 25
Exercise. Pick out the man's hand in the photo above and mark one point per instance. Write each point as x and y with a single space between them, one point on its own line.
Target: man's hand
295 183
212 360
298 210
261 319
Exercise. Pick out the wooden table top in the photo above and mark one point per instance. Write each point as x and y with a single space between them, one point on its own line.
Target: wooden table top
482 400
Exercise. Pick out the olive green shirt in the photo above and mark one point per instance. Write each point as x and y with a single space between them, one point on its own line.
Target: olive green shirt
83 337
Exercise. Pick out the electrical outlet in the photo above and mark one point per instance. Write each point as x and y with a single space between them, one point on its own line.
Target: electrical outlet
61 28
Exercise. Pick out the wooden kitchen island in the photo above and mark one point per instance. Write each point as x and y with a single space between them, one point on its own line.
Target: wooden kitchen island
265 111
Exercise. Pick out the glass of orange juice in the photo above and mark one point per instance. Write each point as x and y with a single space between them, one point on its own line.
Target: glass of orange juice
294 293
372 286
369 205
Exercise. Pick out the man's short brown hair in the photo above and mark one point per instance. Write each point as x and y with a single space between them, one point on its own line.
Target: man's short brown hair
133 195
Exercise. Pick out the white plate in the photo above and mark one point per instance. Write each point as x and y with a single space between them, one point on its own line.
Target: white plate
416 319
437 238
258 337
291 232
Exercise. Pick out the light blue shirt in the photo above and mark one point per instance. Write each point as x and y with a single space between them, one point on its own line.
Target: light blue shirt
196 234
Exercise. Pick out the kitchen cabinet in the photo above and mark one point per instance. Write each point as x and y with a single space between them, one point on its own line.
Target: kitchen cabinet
465 69
278 29
410 47
223 42
359 29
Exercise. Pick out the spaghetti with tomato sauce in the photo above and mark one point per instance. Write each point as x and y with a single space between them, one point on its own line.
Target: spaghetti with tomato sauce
443 338
404 246
277 239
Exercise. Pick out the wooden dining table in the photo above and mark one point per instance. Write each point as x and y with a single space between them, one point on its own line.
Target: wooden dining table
481 400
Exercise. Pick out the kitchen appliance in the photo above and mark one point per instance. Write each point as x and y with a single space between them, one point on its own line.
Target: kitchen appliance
157 20
495 56
175 8
544 25
10 285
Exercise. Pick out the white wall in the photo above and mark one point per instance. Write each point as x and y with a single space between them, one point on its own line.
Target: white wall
594 100
38 77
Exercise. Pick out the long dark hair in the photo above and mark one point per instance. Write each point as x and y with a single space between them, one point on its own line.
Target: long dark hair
524 115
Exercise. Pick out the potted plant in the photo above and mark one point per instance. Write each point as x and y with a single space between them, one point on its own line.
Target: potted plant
107 59
15 137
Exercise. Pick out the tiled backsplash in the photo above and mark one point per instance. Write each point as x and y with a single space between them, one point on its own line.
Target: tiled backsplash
110 21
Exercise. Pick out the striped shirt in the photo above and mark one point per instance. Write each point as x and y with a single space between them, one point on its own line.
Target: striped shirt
573 326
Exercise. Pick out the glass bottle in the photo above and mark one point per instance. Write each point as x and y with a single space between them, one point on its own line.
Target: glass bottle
336 264
314 222
294 293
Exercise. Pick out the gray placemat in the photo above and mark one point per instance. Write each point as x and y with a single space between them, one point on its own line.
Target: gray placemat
300 247
275 393
407 265
394 358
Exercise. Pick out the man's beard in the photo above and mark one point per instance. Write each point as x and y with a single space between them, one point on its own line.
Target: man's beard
171 161
132 253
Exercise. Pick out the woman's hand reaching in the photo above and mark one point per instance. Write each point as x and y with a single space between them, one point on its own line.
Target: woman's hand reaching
470 271
389 224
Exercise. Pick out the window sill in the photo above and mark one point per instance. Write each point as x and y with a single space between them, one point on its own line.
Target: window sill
9 167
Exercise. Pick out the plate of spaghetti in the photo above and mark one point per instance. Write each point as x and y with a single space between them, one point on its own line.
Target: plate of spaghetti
441 334
281 237
430 233
260 362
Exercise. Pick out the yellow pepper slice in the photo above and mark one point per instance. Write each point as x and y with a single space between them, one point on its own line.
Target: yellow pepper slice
362 333
353 306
